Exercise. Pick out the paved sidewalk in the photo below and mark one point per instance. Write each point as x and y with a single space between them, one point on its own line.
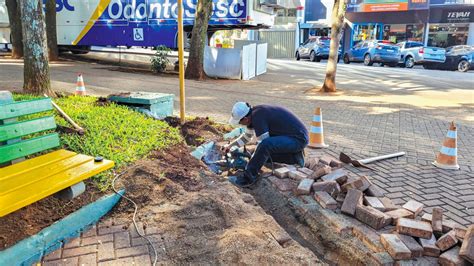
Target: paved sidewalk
402 113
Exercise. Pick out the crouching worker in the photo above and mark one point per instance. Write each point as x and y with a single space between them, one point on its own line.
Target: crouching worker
281 137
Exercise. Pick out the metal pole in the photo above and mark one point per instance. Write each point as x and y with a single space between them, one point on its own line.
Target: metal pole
182 100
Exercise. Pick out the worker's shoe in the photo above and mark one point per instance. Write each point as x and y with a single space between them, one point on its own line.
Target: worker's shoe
243 179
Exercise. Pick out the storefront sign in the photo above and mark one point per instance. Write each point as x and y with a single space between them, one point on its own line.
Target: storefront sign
457 16
385 5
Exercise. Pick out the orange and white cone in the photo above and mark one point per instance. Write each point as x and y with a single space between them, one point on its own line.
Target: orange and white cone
447 157
316 134
80 87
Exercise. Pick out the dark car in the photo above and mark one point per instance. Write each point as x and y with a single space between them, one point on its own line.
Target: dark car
373 51
459 57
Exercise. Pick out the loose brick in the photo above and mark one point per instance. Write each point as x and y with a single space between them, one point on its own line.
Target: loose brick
312 163
429 247
340 198
437 219
306 171
423 261
382 259
395 247
414 228
331 187
452 258
340 176
372 217
388 204
447 241
400 213
291 168
374 202
282 172
374 191
460 233
319 172
360 183
326 160
325 200
351 201
414 206
283 184
467 248
415 248
448 225
297 175
335 163
304 188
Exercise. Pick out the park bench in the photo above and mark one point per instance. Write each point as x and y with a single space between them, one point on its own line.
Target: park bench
25 181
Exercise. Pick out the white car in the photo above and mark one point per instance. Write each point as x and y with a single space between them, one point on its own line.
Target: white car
413 53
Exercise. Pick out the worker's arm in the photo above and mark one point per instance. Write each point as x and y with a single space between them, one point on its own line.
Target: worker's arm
243 139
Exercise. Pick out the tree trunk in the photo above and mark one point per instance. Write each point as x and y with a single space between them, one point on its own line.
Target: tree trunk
195 68
51 34
337 18
36 65
15 28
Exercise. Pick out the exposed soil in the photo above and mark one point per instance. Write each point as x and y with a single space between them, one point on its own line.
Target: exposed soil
33 218
199 130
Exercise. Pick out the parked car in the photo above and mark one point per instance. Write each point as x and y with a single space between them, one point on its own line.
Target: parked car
414 53
315 49
459 57
373 51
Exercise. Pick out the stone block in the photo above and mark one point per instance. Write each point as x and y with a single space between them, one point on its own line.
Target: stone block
414 228
331 187
395 247
415 248
460 233
325 200
452 258
283 184
335 163
467 248
374 191
351 201
312 163
321 171
326 160
340 176
297 175
448 225
382 259
437 219
372 217
429 247
361 183
304 188
423 261
388 204
400 213
340 198
413 206
447 241
291 167
374 202
306 171
282 172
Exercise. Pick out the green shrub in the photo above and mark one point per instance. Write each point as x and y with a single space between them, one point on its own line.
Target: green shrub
160 60
112 131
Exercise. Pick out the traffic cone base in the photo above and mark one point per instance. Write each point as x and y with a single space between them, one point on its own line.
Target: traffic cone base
316 134
447 156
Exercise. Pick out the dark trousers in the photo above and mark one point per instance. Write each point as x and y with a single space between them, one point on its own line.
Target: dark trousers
280 149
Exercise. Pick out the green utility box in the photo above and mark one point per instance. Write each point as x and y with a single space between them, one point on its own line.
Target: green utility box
157 105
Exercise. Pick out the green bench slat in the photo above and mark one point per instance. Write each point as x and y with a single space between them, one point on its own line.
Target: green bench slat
20 129
27 147
22 108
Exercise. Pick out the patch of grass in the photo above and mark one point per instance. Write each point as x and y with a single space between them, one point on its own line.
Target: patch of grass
112 131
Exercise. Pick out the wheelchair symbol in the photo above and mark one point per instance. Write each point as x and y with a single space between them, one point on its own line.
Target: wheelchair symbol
138 34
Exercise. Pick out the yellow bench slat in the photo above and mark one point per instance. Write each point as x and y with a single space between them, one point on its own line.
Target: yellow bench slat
34 163
19 180
41 187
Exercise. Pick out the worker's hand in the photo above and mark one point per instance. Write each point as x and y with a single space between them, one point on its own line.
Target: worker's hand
225 149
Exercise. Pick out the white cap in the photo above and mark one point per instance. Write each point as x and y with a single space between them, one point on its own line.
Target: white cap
239 111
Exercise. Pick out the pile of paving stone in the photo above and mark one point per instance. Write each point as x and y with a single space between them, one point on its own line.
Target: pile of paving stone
413 237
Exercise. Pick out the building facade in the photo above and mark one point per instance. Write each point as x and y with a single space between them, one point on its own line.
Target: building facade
440 23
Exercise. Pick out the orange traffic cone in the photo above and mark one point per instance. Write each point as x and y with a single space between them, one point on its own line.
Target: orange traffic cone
80 87
447 157
316 136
